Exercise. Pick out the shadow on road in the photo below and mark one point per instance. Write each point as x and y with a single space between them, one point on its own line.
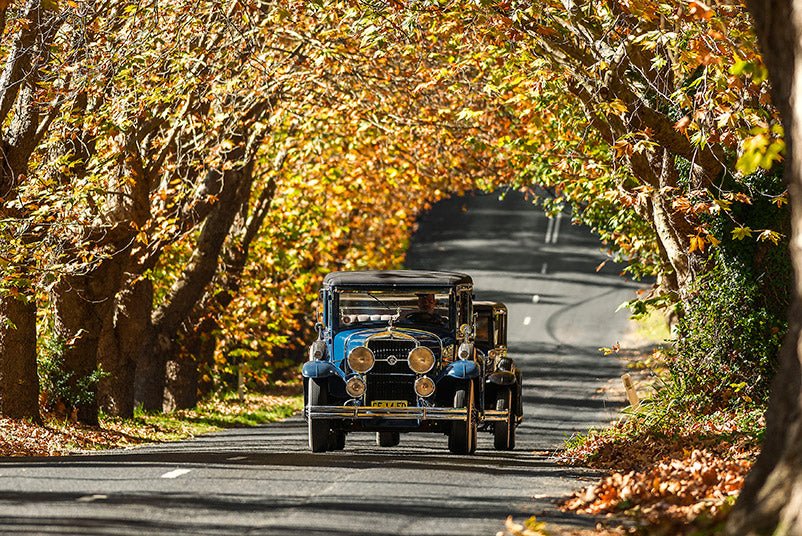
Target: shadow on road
264 480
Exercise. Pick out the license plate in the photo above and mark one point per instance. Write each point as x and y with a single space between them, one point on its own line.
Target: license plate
389 403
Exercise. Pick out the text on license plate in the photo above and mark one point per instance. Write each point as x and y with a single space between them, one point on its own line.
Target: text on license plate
389 403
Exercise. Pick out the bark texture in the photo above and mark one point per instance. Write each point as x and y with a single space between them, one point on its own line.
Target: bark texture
19 382
20 117
117 353
771 501
83 306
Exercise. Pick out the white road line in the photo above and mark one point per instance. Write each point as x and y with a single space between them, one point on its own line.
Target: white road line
236 458
549 230
92 498
556 232
176 473
527 320
544 268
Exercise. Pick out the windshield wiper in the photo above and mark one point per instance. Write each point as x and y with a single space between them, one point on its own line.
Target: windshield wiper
380 302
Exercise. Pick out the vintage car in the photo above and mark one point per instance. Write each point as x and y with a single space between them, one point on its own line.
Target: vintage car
502 391
396 353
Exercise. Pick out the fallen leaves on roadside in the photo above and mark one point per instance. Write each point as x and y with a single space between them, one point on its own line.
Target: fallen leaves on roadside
530 527
24 438
670 482
673 491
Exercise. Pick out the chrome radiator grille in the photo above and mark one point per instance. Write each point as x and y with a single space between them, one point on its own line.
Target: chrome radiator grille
391 377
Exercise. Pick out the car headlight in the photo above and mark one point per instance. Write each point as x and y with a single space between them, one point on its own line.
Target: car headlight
424 386
361 359
355 387
421 360
465 350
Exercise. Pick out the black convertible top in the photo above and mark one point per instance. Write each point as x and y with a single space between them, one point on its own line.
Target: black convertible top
396 279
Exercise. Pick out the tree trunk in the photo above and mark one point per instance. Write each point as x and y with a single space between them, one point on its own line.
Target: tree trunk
188 290
19 381
181 386
118 345
771 501
83 305
150 370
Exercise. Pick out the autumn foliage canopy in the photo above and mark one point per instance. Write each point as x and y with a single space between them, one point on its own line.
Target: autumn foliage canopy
178 176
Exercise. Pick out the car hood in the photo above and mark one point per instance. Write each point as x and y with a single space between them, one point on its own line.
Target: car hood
347 340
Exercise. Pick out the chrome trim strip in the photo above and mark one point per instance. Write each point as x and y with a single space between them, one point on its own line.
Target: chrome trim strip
369 412
495 415
391 335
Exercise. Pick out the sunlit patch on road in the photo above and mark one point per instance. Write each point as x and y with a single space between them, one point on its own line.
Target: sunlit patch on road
175 473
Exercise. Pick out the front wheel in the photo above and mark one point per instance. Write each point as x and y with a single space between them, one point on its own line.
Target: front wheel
337 440
319 429
504 431
462 438
388 439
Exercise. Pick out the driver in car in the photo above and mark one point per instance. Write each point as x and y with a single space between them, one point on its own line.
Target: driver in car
426 312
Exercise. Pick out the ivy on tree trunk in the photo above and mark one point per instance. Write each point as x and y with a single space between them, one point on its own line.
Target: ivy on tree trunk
771 501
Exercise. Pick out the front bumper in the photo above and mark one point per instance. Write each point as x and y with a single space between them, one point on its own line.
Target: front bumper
369 412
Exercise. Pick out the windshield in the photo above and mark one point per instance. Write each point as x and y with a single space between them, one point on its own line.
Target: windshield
432 308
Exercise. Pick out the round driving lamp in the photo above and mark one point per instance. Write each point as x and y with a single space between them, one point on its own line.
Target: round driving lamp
465 351
361 359
355 387
421 360
424 386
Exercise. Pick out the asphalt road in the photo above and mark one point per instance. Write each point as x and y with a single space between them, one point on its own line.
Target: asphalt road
264 481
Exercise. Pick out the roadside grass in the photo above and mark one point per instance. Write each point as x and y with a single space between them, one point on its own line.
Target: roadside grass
670 470
59 437
209 416
653 327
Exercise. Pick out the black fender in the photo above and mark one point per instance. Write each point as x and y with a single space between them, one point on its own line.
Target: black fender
502 377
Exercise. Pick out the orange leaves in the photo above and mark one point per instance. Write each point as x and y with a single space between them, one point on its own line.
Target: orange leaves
700 10
671 490
682 124
623 148
665 477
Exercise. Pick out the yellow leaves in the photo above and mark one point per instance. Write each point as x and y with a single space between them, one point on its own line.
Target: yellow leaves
781 199
761 150
530 527
467 114
719 205
770 236
615 107
697 244
765 235
739 233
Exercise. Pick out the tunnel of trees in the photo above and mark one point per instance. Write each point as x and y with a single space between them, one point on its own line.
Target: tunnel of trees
177 177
